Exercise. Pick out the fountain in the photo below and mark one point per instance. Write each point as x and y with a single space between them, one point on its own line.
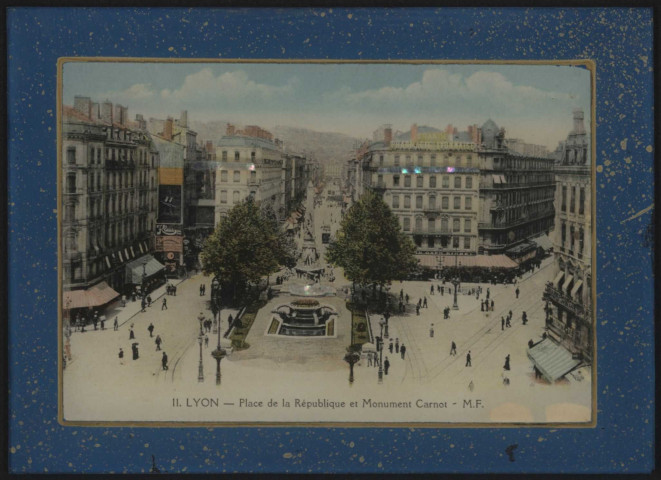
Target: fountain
303 317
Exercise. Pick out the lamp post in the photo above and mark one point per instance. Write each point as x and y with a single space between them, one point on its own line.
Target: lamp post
200 371
215 303
219 353
379 348
455 280
351 357
144 277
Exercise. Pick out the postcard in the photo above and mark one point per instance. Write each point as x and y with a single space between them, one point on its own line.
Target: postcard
366 240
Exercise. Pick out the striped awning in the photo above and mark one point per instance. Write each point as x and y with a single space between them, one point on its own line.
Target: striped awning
143 267
567 282
483 261
577 285
558 277
552 360
543 242
95 296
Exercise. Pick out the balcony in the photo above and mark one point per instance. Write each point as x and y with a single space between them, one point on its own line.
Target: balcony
558 297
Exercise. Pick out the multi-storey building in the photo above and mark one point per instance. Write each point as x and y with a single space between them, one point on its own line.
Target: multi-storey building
109 194
569 295
516 195
256 166
432 185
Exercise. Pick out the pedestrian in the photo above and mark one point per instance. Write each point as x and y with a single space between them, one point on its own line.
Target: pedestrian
431 290
424 302
386 366
507 322
201 291
369 359
531 343
402 350
453 348
164 306
507 362
442 290
390 346
150 328
510 313
396 345
482 306
131 334
143 304
431 331
438 288
468 359
115 325
492 304
158 342
517 292
149 300
502 323
206 341
524 318
417 309
121 356
164 361
488 293
134 347
103 323
94 321
407 297
419 302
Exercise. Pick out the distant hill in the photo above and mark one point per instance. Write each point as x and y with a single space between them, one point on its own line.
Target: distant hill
213 130
326 147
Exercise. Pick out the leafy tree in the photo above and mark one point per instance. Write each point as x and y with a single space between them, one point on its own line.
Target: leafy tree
244 247
370 245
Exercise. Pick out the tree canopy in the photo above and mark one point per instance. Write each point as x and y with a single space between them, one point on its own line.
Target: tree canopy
245 246
370 244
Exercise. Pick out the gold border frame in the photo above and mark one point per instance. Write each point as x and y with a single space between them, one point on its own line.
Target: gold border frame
588 64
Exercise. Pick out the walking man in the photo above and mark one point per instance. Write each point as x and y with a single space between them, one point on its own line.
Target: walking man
524 318
517 292
502 323
417 309
402 350
492 304
151 329
397 345
158 342
121 356
165 304
131 334
115 325
149 300
390 346
431 290
453 348
507 322
424 302
468 359
206 341
143 304
431 331
442 291
386 366
103 323
164 361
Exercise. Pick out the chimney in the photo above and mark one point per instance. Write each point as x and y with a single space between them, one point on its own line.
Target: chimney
414 133
140 120
106 112
121 114
387 135
183 119
167 129
83 105
229 131
578 121
209 146
94 111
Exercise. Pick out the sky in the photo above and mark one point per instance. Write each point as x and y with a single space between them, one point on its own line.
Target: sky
532 102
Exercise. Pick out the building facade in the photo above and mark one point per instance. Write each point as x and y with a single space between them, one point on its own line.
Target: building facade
569 296
109 195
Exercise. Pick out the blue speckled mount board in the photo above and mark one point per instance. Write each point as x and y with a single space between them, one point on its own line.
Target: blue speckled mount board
619 41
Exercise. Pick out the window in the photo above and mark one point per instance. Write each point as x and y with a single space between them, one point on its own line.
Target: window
237 157
381 160
235 197
581 202
563 236
467 242
71 183
407 180
455 242
237 176
223 175
379 181
456 225
469 182
572 202
457 182
407 224
223 196
432 160
71 155
418 181
252 157
395 180
419 159
432 181
469 161
418 224
418 201
224 155
444 225
581 242
445 203
564 199
409 162
430 242
467 225
395 201
446 182
571 239
253 177
468 203
431 225
432 202
397 160
407 201
457 203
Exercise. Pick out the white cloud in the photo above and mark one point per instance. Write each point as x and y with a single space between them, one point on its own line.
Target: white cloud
136 92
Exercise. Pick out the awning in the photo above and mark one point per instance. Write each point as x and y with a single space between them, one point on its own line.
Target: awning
95 296
565 285
552 360
135 271
502 179
483 261
576 287
496 179
558 277
543 242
